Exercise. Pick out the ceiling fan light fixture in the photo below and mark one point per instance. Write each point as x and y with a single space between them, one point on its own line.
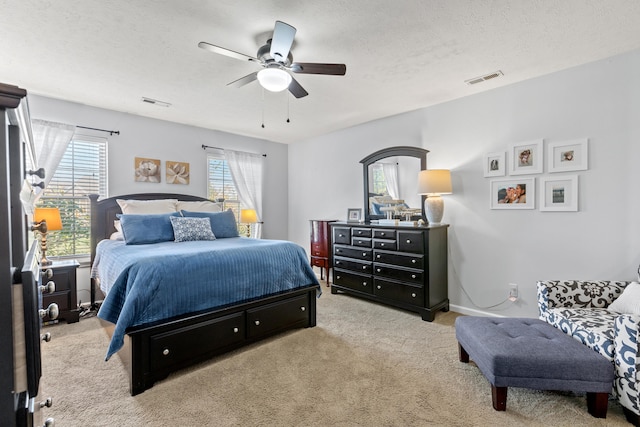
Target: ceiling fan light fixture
274 79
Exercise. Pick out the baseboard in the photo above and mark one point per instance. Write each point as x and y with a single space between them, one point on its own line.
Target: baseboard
472 312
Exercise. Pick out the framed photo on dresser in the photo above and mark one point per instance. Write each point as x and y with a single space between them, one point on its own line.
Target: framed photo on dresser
354 214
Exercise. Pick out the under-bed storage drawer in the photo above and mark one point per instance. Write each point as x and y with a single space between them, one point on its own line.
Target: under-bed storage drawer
277 316
176 347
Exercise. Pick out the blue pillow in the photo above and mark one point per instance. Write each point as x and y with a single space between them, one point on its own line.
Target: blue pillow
144 229
191 229
376 208
223 224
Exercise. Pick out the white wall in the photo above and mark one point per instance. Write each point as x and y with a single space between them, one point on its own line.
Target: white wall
490 248
157 139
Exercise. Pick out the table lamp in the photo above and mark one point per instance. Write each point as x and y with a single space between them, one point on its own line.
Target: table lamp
45 220
248 216
433 183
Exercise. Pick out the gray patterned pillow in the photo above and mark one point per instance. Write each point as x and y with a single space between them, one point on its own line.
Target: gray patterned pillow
190 229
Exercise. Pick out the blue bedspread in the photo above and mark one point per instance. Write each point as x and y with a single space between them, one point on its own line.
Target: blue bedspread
147 283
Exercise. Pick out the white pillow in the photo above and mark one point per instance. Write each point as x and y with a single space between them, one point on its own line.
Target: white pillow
629 301
117 236
203 206
137 207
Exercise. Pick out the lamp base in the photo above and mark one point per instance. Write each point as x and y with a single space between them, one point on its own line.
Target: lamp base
434 209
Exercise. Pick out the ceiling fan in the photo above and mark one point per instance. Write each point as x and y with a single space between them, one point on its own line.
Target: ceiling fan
276 60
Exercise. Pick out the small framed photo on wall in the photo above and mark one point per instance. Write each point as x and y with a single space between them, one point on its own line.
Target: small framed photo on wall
146 170
559 194
513 193
526 157
568 156
494 164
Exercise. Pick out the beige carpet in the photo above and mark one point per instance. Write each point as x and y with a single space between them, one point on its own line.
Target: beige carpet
363 365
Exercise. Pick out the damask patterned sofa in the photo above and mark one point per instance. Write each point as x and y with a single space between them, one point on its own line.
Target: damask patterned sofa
584 310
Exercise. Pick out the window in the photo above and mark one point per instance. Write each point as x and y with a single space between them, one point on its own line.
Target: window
379 183
82 171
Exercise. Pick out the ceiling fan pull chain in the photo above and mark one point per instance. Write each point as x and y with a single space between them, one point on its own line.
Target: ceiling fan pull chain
288 102
262 108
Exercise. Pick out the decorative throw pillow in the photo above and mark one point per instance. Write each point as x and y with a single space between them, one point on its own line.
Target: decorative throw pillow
223 224
190 229
141 207
144 229
629 301
203 206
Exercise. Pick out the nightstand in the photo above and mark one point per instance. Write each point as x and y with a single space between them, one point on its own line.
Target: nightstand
63 274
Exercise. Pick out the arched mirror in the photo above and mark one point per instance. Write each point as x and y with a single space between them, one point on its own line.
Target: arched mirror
391 183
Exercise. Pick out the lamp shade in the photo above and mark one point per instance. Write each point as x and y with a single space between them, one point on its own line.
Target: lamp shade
50 215
274 79
248 216
434 181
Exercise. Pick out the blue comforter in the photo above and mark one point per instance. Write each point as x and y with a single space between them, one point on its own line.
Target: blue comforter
147 283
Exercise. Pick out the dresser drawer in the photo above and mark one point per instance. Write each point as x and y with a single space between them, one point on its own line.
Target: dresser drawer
318 249
401 274
358 282
364 242
402 260
320 262
353 265
175 348
287 313
384 244
342 235
411 241
382 233
351 252
361 232
398 291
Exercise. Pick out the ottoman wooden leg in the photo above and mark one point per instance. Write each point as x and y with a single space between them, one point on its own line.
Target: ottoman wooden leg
462 353
499 398
597 404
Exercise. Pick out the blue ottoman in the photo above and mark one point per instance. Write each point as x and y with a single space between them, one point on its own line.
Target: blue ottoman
530 353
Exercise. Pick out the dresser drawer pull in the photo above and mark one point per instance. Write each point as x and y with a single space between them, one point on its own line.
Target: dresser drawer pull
46 403
413 261
45 337
413 295
381 244
49 288
364 254
378 270
364 283
337 262
408 241
236 330
52 311
341 235
257 322
378 256
303 308
338 250
360 232
165 352
379 287
413 276
337 277
383 233
48 272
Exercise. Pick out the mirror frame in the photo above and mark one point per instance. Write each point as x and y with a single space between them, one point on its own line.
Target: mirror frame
405 151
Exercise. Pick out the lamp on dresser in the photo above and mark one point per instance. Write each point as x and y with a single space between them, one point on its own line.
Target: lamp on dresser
45 220
433 183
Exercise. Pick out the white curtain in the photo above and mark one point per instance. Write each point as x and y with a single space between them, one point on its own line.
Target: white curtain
390 172
51 140
247 174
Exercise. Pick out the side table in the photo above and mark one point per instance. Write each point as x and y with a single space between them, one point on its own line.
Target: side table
63 274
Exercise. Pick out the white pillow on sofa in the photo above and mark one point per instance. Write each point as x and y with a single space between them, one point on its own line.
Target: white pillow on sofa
629 301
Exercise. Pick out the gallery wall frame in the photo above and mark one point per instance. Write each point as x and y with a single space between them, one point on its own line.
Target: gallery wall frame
559 193
146 170
526 158
177 172
512 193
568 156
494 164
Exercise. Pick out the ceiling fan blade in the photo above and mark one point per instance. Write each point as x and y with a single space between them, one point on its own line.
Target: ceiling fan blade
226 52
311 68
244 80
297 90
281 41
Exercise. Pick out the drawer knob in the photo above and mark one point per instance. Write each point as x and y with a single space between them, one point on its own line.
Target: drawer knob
364 267
49 422
52 311
378 270
413 261
337 262
338 250
303 308
257 322
408 241
49 288
364 283
45 337
379 287
413 295
359 232
46 403
378 256
236 330
364 254
413 276
338 277
340 235
381 244
48 273
165 352
382 234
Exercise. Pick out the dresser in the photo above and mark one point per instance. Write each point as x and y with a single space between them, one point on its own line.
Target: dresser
404 267
321 245
63 274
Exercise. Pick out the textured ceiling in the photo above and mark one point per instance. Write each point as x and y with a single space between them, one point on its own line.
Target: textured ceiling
400 55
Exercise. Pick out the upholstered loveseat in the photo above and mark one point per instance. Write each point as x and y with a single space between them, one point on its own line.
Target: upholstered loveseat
604 316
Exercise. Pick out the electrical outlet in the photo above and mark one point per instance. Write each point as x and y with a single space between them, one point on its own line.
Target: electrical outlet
513 291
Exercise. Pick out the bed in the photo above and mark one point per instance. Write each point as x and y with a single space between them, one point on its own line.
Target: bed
170 305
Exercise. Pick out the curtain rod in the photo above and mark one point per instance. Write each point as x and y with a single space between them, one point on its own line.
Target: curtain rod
110 132
204 147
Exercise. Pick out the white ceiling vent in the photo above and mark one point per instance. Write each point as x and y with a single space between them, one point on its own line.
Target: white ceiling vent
156 102
484 78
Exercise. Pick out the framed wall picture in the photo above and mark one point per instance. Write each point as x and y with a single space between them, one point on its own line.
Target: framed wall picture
354 214
559 193
526 158
513 193
568 156
146 170
494 164
177 172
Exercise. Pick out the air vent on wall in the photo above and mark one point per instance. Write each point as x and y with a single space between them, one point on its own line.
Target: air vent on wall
156 102
484 78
